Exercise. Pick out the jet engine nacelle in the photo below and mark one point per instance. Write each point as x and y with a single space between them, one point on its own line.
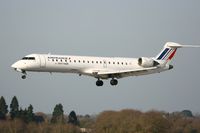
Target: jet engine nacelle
147 62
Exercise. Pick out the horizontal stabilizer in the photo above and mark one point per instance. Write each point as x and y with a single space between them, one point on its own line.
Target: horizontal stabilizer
176 45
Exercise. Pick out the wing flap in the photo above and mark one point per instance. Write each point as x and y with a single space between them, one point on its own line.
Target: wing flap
123 73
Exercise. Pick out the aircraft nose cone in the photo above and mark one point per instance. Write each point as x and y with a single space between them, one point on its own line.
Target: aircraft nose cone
18 65
14 65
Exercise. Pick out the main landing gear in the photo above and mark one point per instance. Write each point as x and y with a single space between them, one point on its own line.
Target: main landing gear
23 76
99 82
113 82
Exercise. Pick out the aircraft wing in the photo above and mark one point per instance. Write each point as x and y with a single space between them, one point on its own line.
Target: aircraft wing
122 73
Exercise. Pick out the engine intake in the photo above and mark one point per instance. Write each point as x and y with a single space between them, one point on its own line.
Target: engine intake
147 62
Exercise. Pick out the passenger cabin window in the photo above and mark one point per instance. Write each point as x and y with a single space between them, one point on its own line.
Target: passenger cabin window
28 58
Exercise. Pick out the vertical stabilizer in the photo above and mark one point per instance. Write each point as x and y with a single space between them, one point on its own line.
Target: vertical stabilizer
169 51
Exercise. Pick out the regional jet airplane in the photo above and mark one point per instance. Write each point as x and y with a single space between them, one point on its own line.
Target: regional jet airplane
99 67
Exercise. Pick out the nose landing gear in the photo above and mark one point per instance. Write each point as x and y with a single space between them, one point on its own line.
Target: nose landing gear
24 74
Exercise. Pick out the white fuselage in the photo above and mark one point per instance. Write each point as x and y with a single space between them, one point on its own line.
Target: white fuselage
100 67
86 65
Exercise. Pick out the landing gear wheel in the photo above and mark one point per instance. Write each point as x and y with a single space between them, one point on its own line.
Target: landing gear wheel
23 76
99 83
113 82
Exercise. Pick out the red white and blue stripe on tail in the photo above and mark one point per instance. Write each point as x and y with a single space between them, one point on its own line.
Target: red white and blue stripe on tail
169 51
167 54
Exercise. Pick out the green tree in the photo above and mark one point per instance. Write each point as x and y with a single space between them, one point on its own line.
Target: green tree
14 108
58 114
22 114
26 115
3 108
30 114
187 113
72 118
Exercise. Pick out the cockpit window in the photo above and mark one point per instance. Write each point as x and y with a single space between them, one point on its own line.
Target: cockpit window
31 58
28 58
25 58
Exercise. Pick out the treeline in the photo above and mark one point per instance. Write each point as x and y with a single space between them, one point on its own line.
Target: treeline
25 120
18 120
133 121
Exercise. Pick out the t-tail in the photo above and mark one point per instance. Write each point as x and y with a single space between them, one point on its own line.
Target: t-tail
169 50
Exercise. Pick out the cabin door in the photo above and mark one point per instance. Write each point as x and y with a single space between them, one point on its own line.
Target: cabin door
104 64
42 61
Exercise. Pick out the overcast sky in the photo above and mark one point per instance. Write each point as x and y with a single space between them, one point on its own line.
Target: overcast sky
126 28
